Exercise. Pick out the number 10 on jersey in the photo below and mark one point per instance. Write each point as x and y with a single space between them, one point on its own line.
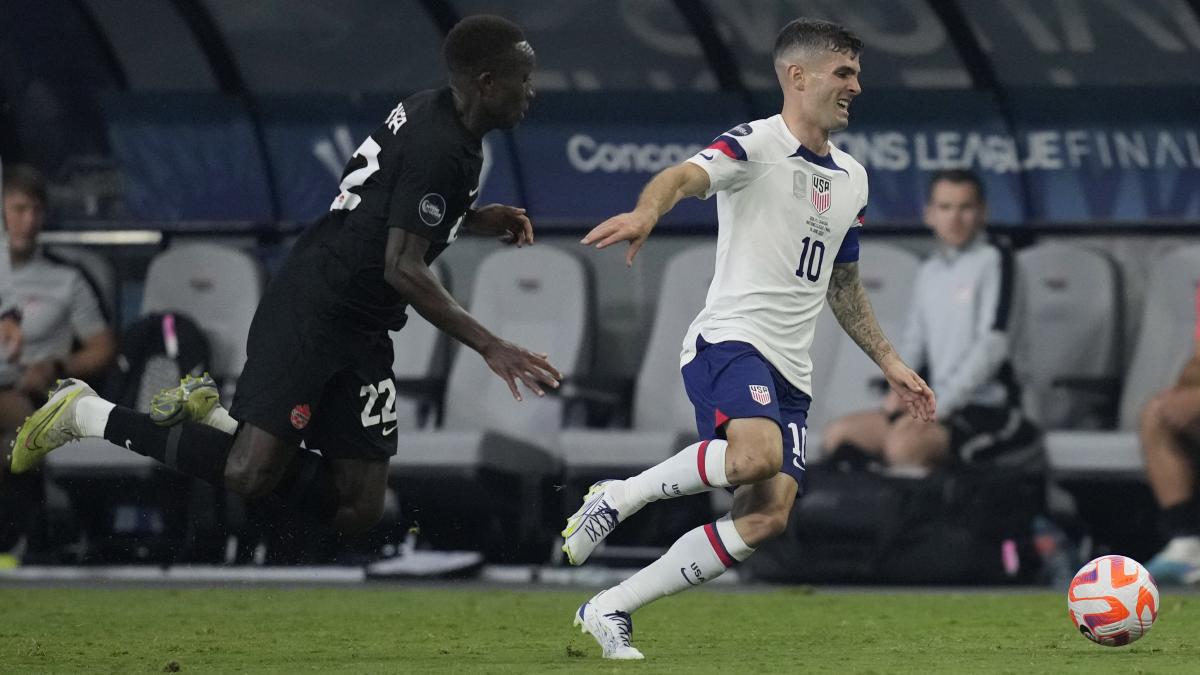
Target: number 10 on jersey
811 271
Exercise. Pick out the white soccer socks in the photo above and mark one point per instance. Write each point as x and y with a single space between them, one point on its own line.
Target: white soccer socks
697 468
699 556
91 415
218 418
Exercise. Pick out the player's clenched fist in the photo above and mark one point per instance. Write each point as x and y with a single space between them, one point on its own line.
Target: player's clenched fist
512 362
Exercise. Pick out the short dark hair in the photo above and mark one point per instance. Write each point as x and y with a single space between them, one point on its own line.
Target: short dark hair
26 180
814 34
479 43
958 176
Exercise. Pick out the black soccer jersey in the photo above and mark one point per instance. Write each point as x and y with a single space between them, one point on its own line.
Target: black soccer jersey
418 171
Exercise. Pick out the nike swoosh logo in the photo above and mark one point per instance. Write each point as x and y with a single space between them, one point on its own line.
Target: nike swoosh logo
685 577
387 431
42 425
708 157
128 444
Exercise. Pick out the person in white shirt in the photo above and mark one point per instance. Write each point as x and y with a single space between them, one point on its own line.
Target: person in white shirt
45 307
961 326
64 330
10 316
789 207
1170 436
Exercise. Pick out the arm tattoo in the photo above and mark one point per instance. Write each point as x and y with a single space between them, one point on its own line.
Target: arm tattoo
848 300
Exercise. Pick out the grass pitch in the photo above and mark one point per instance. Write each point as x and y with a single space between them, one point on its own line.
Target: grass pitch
397 629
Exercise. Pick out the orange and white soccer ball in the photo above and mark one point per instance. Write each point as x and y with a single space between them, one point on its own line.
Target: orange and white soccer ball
1113 600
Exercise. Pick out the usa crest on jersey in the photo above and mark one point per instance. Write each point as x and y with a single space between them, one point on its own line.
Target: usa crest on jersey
760 394
820 193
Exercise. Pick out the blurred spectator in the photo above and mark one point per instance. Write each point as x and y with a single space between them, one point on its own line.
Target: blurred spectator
1170 434
959 330
62 332
10 317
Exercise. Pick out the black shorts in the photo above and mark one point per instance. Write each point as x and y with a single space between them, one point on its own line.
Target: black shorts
983 433
310 377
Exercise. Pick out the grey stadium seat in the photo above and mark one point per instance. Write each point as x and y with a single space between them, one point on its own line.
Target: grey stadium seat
662 418
843 375
541 299
99 269
1072 298
218 287
1165 342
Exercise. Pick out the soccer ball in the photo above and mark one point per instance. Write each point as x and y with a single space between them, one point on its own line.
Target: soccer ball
1113 600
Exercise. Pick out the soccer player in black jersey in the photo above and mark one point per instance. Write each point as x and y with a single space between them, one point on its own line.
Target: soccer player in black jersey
320 335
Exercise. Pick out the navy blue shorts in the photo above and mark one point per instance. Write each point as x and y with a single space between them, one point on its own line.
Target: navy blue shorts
731 380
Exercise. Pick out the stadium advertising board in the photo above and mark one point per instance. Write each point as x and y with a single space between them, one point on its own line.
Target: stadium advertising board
1078 171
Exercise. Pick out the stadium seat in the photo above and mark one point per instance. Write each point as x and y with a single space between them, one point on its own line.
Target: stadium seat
1165 342
844 378
486 475
419 360
218 287
99 271
662 420
1072 298
662 416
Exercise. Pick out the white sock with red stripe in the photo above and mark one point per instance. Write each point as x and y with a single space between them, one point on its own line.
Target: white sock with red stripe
699 556
699 467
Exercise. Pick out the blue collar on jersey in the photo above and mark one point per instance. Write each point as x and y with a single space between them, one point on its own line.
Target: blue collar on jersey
826 161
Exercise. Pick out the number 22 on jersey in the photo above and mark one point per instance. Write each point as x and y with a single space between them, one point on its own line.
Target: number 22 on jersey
347 200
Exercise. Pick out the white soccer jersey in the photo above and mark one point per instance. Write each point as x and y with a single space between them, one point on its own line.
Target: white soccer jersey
783 213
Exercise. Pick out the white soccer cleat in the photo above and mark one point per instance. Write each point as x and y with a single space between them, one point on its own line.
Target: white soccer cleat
612 630
600 514
1178 563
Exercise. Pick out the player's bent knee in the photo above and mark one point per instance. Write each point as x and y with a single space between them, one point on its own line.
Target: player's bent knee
248 481
359 517
757 528
754 466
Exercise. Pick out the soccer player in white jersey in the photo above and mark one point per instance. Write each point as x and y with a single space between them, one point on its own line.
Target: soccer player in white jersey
789 205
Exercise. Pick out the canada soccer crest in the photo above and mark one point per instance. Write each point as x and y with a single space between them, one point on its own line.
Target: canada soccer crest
300 416
760 394
819 193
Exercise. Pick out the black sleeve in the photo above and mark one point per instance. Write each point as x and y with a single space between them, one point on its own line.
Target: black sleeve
425 186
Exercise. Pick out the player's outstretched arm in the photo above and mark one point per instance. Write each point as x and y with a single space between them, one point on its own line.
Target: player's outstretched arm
509 223
659 196
405 270
850 304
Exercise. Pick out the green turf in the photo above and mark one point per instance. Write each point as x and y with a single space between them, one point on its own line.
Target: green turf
467 630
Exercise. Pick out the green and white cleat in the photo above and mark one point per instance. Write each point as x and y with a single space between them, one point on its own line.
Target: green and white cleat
600 514
191 401
50 427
